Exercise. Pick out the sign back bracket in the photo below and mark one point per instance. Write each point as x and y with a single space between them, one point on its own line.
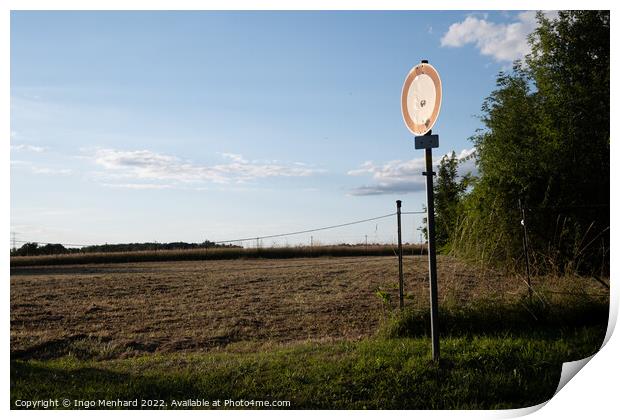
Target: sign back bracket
427 141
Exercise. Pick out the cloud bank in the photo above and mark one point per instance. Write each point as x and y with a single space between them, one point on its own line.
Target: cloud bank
147 165
402 177
504 42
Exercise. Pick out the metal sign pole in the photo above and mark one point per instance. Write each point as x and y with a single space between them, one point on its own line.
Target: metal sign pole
432 258
401 286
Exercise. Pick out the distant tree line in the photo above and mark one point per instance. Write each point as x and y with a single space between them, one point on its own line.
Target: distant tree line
542 157
33 248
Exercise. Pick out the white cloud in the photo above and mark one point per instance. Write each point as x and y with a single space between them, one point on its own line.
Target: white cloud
467 162
50 171
402 176
466 153
28 148
139 186
234 157
382 188
15 162
149 165
40 170
392 177
505 42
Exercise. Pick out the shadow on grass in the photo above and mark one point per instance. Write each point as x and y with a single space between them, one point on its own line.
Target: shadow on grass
528 318
32 380
375 377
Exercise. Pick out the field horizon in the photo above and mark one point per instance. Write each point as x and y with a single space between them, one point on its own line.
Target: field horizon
218 253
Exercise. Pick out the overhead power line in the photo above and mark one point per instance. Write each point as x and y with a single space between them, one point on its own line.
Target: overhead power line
253 238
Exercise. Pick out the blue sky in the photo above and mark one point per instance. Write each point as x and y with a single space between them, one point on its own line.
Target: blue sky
185 126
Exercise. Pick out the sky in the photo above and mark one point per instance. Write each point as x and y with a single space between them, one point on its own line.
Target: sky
186 126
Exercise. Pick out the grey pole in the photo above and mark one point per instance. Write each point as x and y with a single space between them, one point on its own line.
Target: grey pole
401 291
432 259
525 250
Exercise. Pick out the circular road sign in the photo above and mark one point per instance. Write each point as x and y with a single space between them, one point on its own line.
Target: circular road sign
421 98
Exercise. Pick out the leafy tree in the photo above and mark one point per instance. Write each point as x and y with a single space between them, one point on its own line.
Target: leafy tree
33 248
51 249
546 144
570 66
29 248
448 190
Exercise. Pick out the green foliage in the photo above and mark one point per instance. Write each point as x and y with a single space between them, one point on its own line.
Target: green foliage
29 248
448 191
546 144
384 296
33 248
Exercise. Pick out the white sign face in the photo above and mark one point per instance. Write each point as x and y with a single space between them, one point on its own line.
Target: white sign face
421 99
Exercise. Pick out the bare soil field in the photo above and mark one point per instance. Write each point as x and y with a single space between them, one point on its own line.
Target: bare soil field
120 310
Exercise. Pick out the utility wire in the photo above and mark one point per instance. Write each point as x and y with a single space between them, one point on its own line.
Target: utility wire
304 231
250 238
